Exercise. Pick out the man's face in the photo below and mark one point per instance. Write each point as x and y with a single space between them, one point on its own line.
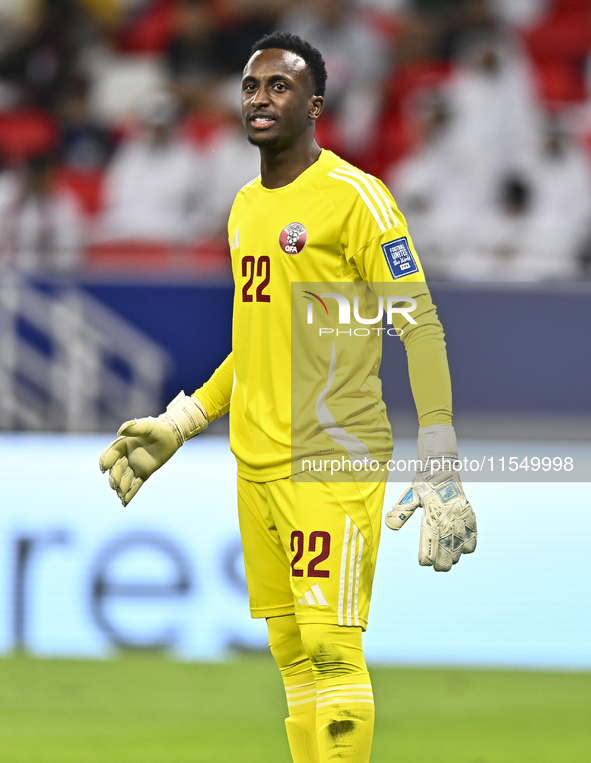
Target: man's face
277 98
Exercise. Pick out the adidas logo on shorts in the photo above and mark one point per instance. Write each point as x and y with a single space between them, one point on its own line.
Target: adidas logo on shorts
314 597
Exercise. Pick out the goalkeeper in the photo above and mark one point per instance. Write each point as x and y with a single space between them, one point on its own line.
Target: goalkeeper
310 546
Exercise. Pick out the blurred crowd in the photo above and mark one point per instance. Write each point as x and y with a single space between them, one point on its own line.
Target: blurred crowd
121 144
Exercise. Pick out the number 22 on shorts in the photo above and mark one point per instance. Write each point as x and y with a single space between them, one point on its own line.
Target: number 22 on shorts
317 538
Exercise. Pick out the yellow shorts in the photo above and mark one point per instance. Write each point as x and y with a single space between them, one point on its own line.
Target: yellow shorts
310 548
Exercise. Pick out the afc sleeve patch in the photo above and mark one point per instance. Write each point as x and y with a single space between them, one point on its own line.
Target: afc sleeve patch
399 258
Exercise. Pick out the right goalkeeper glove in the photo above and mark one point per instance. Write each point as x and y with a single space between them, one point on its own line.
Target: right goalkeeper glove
144 445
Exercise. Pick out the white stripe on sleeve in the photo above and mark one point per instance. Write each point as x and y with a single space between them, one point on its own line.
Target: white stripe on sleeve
372 187
364 196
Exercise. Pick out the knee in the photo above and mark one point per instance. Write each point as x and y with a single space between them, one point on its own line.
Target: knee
286 644
333 650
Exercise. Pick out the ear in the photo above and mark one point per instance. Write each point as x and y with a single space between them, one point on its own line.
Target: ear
316 106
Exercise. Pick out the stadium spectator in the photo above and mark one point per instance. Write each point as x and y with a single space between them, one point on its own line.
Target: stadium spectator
41 229
502 241
514 239
430 185
212 40
85 143
156 183
243 22
356 60
39 61
496 121
562 182
232 161
197 54
516 242
461 20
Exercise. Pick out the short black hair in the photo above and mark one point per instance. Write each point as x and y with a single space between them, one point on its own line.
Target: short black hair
311 55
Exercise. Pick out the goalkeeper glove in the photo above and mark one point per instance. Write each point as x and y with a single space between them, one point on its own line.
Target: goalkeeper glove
144 445
448 529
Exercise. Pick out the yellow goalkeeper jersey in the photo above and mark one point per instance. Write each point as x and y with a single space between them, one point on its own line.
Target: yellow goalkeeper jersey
306 259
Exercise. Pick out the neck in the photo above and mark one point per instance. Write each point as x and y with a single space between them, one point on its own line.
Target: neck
279 168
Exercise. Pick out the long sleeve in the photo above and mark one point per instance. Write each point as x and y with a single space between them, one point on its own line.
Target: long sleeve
427 364
215 394
379 263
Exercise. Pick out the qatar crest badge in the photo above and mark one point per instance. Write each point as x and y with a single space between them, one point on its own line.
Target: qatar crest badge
293 238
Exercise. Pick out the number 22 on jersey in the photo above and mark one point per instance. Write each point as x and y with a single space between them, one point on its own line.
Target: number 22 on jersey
258 268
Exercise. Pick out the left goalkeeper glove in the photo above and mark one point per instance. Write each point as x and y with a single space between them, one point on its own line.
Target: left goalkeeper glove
448 529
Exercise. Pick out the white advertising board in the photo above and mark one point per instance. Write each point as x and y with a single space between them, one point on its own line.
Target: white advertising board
80 575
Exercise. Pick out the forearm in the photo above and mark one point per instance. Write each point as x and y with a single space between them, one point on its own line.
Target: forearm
215 394
427 365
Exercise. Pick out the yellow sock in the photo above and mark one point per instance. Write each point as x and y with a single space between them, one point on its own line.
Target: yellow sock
344 697
301 724
300 688
345 718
